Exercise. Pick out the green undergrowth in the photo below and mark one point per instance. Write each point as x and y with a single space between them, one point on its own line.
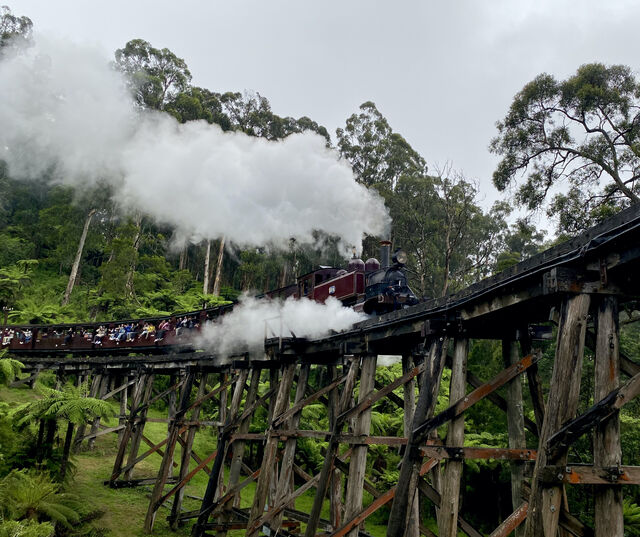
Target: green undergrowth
123 510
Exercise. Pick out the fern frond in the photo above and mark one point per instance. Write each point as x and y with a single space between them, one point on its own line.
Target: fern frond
9 370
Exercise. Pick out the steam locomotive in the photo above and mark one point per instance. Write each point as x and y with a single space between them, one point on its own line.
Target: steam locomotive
371 286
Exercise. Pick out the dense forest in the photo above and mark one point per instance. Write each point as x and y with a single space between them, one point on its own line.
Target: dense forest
84 257
70 255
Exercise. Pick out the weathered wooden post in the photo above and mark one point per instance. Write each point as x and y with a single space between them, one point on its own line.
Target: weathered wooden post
281 403
223 413
285 478
409 389
274 379
545 501
214 477
332 449
243 427
449 505
95 424
187 447
96 381
139 421
137 390
336 507
606 442
409 471
232 417
34 377
358 461
167 458
515 424
122 418
172 400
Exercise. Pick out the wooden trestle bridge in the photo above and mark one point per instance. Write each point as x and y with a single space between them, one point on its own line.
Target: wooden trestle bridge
580 286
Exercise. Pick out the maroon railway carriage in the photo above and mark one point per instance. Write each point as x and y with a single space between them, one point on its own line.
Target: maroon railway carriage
348 285
365 286
82 338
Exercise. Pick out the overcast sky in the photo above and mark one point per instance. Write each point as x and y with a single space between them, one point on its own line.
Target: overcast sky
442 73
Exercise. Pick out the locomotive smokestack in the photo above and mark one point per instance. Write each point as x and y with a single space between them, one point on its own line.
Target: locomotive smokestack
385 254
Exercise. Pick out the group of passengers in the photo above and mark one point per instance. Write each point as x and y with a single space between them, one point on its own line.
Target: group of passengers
23 335
123 332
131 331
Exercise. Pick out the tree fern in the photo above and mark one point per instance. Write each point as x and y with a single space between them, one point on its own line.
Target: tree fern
314 417
68 404
9 369
39 310
631 518
26 528
385 424
32 495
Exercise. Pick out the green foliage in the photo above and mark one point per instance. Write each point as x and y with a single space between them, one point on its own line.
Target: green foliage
631 513
13 249
70 404
9 369
14 30
9 438
26 528
582 132
13 279
32 495
378 155
39 310
522 241
156 75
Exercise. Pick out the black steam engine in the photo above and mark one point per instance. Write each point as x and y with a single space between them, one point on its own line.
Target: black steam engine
387 288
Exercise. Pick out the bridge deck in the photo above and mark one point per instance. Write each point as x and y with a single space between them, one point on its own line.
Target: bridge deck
604 259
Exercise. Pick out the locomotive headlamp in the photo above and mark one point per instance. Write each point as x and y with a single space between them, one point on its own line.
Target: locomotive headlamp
400 257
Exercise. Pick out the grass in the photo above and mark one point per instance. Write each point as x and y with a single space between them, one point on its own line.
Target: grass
124 510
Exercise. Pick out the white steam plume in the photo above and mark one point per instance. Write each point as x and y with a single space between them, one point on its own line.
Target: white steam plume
64 110
244 328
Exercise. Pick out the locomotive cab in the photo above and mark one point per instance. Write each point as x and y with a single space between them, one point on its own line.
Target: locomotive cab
387 288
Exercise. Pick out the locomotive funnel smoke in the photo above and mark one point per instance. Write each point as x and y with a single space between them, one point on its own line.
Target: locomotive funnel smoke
245 328
65 112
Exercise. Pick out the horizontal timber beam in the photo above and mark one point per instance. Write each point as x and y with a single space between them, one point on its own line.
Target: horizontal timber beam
591 475
461 453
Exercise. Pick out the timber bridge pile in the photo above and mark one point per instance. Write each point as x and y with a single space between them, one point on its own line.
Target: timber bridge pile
580 286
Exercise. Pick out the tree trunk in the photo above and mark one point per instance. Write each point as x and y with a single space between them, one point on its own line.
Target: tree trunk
40 441
284 274
129 289
76 261
216 283
183 258
66 451
51 435
447 268
207 257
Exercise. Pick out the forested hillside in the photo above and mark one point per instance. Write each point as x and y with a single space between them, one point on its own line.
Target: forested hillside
82 253
74 254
